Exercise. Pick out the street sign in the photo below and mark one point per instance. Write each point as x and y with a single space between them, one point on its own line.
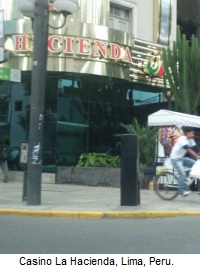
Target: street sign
10 74
1 54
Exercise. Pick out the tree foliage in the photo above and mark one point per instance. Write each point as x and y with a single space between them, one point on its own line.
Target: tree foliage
182 69
147 140
94 159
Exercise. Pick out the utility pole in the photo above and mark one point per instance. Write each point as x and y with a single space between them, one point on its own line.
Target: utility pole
34 166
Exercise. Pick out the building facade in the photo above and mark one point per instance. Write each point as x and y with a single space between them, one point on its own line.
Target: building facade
104 68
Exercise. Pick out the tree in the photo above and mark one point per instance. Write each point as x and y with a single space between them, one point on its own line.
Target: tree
188 17
147 141
182 69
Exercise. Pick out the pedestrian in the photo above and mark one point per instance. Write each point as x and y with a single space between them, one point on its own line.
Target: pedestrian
184 145
4 150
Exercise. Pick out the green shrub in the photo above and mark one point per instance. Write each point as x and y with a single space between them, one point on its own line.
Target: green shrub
98 160
147 141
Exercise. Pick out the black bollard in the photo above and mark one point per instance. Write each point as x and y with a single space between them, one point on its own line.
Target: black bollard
130 190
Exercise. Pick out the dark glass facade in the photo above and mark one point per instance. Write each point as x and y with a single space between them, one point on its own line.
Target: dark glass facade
82 114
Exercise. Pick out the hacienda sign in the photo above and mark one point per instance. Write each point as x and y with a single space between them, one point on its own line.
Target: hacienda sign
79 47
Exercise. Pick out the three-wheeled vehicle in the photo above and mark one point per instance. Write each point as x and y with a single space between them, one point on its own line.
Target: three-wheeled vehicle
169 124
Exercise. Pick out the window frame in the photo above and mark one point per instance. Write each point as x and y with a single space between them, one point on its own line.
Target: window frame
132 14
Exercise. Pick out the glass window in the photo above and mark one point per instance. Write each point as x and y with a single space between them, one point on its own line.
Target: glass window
18 105
49 155
4 108
143 98
82 114
120 12
165 18
120 18
89 111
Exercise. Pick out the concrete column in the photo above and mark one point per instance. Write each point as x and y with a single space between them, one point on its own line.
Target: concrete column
11 10
95 12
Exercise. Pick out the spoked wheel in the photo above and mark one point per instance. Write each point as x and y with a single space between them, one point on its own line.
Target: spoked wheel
166 186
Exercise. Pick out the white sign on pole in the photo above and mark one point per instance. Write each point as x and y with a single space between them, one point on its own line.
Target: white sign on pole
1 54
8 74
15 75
1 35
1 28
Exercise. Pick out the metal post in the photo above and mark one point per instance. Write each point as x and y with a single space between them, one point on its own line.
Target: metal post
23 164
34 168
130 192
24 193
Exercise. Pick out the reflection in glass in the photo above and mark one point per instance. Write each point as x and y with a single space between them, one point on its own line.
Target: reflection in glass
82 114
165 19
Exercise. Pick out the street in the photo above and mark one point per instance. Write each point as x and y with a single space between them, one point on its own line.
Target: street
22 235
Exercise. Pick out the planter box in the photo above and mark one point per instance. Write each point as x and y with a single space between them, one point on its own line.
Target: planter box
19 176
90 176
98 176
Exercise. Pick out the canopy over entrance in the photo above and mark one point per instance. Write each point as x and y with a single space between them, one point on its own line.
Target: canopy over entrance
170 118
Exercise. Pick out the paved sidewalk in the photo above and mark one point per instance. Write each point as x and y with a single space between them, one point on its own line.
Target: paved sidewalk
65 200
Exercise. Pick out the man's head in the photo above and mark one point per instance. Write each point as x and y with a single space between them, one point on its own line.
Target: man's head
189 132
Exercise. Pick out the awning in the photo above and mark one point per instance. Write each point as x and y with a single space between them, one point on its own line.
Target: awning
170 118
63 126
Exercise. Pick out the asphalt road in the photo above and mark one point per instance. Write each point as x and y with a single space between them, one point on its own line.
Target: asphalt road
22 235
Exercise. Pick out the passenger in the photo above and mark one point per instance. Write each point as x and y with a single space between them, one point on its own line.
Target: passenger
184 145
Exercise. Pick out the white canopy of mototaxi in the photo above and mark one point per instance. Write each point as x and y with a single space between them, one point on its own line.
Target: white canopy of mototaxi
170 118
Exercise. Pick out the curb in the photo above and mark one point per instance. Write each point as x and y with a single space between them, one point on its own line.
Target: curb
97 214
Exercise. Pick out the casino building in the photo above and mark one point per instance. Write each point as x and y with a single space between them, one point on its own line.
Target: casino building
104 68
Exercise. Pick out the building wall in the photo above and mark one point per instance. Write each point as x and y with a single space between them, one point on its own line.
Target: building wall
144 25
143 18
11 10
18 132
146 19
144 15
91 11
97 93
173 22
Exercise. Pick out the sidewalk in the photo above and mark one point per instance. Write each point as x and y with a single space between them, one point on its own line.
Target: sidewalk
92 202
